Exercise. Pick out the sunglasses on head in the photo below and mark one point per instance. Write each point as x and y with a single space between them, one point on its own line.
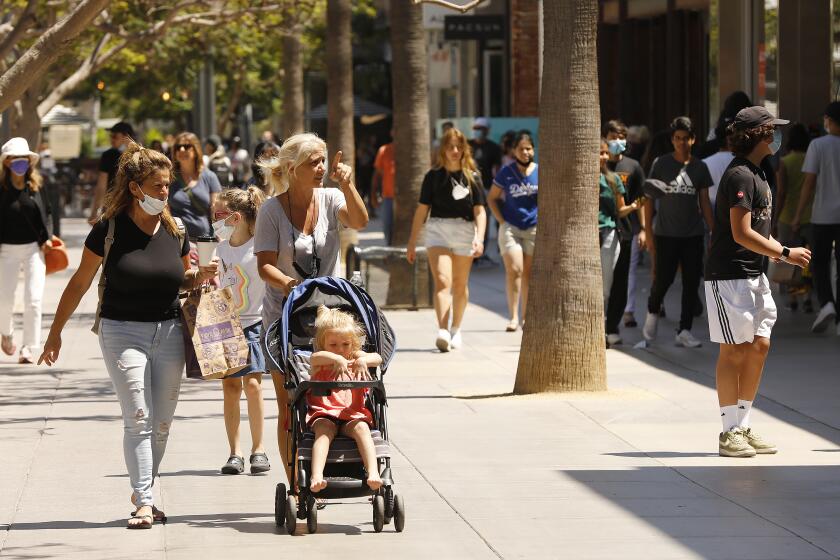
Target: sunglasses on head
183 147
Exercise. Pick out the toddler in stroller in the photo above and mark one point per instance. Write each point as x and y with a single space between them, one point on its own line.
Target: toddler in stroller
334 347
338 356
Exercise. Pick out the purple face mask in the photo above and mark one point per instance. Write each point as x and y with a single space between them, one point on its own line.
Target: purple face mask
19 166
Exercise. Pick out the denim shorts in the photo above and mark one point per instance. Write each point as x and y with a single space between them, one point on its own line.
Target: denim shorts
256 356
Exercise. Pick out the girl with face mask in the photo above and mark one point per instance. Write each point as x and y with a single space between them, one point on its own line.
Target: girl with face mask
235 217
25 230
140 332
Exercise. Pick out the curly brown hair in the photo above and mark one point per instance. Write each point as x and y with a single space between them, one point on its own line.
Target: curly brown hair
743 141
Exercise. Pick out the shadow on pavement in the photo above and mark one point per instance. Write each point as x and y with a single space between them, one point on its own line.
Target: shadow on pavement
741 511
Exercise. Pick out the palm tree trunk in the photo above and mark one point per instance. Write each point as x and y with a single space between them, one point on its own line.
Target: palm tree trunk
411 111
292 86
563 345
339 66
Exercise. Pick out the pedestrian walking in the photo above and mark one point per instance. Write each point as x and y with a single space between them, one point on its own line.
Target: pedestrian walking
622 299
384 177
822 186
194 188
235 216
513 201
488 158
719 161
259 179
452 206
740 305
218 161
297 232
611 209
146 264
716 141
121 134
25 233
789 180
675 235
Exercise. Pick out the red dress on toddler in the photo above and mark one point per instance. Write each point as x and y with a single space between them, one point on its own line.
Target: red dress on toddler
342 405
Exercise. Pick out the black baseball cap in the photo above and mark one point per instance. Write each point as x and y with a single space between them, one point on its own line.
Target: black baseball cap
753 117
833 111
123 127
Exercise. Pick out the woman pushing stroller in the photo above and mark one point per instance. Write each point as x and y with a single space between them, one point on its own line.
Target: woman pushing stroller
338 357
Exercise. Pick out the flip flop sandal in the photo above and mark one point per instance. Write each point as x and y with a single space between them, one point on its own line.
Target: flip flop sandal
259 463
147 522
158 515
235 465
512 327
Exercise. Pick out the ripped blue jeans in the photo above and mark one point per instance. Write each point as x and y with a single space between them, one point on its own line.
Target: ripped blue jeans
145 362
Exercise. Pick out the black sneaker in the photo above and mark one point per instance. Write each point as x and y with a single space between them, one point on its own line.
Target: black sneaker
259 463
235 465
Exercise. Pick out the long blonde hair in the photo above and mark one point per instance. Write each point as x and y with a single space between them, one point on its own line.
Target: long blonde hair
32 178
468 165
334 320
294 152
136 164
246 202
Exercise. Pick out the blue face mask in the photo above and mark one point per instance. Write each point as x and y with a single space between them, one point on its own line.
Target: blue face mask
19 166
617 147
777 141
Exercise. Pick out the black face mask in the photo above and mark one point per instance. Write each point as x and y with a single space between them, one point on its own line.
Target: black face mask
525 163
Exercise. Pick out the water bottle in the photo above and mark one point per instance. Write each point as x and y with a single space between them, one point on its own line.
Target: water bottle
356 279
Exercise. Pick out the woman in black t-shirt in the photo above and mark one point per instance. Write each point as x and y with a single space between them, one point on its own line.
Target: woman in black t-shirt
452 198
140 333
25 231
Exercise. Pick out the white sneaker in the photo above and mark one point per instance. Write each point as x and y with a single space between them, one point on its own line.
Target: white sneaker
613 339
686 339
826 314
455 340
649 330
443 340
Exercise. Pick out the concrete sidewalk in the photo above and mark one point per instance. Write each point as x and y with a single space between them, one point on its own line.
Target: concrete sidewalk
630 473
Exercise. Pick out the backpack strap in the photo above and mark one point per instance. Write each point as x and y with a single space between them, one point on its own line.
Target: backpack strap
182 229
109 241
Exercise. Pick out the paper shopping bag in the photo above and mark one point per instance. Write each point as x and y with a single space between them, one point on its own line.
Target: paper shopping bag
214 343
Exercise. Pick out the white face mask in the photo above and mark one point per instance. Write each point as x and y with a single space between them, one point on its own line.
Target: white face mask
222 230
152 206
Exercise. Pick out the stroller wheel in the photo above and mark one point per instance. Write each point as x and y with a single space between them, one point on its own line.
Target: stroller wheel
378 513
291 518
399 514
280 505
389 504
311 515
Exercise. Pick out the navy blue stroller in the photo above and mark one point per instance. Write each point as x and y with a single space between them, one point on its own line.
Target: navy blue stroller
289 344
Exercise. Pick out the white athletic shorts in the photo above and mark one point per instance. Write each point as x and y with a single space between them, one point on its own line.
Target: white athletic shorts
455 234
739 310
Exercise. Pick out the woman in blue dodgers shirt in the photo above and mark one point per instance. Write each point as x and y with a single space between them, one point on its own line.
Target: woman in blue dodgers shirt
513 201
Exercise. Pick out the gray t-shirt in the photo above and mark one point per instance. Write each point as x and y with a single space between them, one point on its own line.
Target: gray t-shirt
275 233
823 160
678 211
195 211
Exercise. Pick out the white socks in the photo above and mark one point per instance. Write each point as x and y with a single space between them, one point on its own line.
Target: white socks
744 408
729 417
736 415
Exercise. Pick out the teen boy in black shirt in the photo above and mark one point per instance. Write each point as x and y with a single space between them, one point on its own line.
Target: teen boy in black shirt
740 305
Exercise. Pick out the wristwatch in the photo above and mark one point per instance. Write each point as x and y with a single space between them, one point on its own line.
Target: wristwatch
785 252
